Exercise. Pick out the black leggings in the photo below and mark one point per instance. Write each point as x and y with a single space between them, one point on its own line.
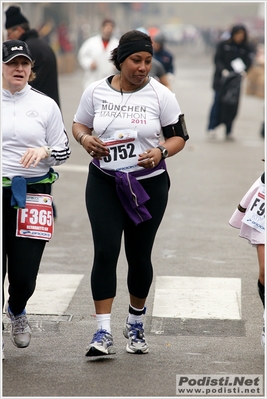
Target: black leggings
109 220
21 256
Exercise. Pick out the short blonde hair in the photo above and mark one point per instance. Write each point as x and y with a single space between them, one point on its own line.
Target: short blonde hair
32 74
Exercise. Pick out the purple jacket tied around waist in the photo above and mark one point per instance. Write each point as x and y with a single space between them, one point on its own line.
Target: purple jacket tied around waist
131 193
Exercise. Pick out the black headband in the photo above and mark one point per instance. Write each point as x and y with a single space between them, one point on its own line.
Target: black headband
135 46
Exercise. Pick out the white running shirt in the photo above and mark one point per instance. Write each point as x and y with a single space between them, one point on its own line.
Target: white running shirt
31 119
143 112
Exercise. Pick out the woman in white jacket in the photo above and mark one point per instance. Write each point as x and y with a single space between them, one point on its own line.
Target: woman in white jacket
94 54
33 140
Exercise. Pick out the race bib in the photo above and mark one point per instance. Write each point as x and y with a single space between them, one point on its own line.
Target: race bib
124 149
255 214
36 219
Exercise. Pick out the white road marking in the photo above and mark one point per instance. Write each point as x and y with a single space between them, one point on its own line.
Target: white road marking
53 293
71 168
197 298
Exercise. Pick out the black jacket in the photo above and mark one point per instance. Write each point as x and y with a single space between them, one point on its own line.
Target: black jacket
226 52
229 97
45 64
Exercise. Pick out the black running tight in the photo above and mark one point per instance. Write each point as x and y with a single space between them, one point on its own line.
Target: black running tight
109 221
21 256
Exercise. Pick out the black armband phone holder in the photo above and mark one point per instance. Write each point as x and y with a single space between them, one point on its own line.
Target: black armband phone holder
177 129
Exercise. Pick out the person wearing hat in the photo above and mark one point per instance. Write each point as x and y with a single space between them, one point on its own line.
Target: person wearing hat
249 218
34 139
45 63
93 55
157 69
119 122
162 54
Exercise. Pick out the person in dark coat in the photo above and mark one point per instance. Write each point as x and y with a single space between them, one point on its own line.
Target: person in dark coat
45 63
162 54
233 58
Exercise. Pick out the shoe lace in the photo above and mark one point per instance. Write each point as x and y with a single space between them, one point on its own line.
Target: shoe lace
100 334
20 323
136 331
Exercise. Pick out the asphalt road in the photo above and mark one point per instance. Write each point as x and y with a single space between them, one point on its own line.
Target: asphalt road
194 245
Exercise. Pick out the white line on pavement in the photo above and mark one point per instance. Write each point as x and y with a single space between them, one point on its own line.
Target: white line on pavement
71 168
53 293
197 297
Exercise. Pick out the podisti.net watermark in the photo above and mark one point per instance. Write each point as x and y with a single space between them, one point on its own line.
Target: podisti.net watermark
216 385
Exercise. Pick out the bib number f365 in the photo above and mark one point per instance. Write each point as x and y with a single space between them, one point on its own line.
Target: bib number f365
36 219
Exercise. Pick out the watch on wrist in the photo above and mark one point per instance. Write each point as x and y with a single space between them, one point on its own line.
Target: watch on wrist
48 150
164 151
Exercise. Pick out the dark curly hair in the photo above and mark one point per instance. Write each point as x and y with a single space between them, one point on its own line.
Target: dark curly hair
132 35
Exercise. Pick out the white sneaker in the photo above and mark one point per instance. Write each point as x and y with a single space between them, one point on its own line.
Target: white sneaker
101 344
20 333
136 338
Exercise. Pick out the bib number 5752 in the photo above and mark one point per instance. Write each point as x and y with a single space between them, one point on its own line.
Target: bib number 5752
122 151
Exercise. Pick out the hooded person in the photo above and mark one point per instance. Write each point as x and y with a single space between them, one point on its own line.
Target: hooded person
232 60
45 63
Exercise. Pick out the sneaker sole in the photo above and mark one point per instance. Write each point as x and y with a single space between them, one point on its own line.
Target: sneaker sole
137 351
95 351
19 345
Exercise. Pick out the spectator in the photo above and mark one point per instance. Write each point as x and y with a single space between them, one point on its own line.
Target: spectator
233 58
63 38
162 54
157 69
94 53
45 63
158 72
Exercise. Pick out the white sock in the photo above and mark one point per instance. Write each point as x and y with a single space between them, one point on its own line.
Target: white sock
103 321
132 318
